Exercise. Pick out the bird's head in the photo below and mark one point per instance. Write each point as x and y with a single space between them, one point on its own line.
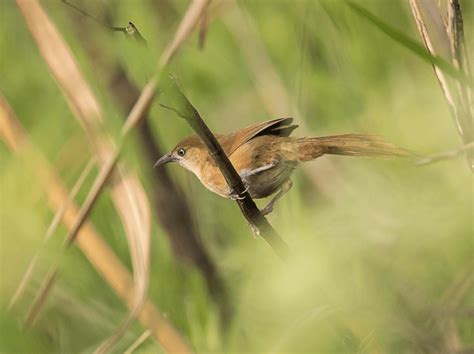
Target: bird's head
189 153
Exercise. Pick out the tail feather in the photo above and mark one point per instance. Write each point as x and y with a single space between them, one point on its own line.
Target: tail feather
348 144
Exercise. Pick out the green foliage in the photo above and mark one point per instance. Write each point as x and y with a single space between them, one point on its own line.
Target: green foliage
412 45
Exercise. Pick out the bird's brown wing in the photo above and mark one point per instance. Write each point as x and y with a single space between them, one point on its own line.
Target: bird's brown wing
278 127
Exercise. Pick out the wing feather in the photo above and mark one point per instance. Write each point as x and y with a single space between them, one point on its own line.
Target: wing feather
279 127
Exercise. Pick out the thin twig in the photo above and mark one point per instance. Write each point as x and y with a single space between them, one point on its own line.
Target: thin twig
41 296
138 342
183 107
445 155
130 30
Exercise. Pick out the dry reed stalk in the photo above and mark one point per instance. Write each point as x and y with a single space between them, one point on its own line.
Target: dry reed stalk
56 53
99 254
127 194
457 94
172 208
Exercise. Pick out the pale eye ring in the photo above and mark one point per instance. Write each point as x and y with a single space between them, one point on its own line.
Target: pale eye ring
181 152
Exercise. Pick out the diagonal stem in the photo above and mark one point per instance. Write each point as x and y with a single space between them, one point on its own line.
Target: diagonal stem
183 108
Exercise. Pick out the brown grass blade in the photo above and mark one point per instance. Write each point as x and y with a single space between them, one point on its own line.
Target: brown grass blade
99 254
41 296
457 94
135 213
422 28
87 110
138 342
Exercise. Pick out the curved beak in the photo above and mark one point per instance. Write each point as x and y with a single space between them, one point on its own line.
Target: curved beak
164 159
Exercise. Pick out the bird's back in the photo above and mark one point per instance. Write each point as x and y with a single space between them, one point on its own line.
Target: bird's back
251 150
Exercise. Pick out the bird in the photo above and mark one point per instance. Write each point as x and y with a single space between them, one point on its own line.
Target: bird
265 156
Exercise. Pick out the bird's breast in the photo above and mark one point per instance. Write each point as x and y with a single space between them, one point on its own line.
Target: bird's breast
213 179
262 170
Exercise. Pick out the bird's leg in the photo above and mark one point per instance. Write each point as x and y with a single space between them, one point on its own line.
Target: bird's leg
244 175
286 186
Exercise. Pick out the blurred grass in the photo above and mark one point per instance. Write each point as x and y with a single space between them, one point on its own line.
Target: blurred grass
371 259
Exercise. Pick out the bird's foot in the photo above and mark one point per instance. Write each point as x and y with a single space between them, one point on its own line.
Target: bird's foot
241 196
284 188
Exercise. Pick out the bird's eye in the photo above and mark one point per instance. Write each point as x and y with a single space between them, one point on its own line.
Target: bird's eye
181 152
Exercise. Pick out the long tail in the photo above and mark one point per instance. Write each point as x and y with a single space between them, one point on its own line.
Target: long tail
347 144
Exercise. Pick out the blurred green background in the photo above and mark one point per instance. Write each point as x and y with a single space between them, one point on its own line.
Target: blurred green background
379 248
